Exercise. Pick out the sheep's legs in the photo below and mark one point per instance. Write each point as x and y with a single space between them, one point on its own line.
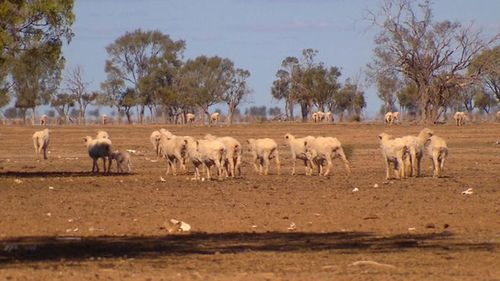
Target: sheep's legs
44 153
265 163
344 159
255 162
435 161
328 166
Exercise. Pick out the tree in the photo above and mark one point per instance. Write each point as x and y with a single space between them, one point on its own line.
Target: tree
432 54
487 64
36 75
128 100
111 93
206 80
484 101
133 56
283 87
76 85
236 92
387 88
63 103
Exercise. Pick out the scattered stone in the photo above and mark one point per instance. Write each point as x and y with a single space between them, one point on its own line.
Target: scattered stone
18 181
355 189
162 179
51 188
373 263
292 227
174 225
375 185
411 229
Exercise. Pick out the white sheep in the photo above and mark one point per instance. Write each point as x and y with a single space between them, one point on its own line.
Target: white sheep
298 149
394 151
326 149
98 148
314 117
215 117
102 135
395 117
172 149
264 150
104 119
207 153
122 158
460 118
190 118
329 117
44 120
233 154
437 150
415 146
391 117
41 142
155 140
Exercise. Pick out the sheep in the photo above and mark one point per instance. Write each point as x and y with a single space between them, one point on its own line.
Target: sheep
172 149
44 120
190 118
314 117
415 145
233 154
41 142
329 117
437 150
326 149
391 117
264 150
394 151
298 149
104 119
122 158
155 140
215 117
321 115
460 118
98 148
207 153
102 135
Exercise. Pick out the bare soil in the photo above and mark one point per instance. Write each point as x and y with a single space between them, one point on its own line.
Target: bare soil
59 221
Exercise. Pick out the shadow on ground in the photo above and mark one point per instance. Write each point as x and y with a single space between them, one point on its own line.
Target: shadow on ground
60 174
28 249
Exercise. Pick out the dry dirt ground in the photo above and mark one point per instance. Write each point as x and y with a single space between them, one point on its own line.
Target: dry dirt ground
58 221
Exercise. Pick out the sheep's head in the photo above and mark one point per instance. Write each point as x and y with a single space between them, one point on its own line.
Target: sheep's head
87 140
426 133
383 136
288 136
210 137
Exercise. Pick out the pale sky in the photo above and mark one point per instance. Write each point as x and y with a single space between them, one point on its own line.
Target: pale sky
255 34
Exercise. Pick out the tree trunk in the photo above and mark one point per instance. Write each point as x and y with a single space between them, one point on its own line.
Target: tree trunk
33 117
230 112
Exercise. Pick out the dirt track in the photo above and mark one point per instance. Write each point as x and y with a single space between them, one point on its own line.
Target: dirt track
62 222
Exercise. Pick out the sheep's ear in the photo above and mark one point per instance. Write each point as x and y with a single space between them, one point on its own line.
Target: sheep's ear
305 143
197 143
379 137
185 141
248 141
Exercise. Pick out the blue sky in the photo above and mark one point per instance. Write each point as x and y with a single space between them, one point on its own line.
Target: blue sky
256 34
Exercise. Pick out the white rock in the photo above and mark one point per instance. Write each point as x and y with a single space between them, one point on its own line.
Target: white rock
51 187
355 189
467 192
292 226
375 185
412 229
18 181
162 179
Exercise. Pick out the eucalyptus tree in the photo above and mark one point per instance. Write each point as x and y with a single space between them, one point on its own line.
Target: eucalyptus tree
433 55
62 103
236 92
133 56
487 64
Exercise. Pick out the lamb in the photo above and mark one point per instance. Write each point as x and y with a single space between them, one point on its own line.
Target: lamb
233 154
190 118
102 135
215 117
264 150
460 118
298 149
326 149
98 148
207 153
437 150
122 158
172 149
394 151
415 145
41 142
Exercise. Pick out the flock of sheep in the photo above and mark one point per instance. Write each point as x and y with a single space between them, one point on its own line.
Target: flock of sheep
225 153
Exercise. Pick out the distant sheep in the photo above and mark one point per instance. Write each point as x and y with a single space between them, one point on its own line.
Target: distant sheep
190 118
460 118
122 159
44 120
329 117
154 138
264 150
104 119
41 142
394 151
215 118
298 149
326 149
98 148
391 117
437 150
